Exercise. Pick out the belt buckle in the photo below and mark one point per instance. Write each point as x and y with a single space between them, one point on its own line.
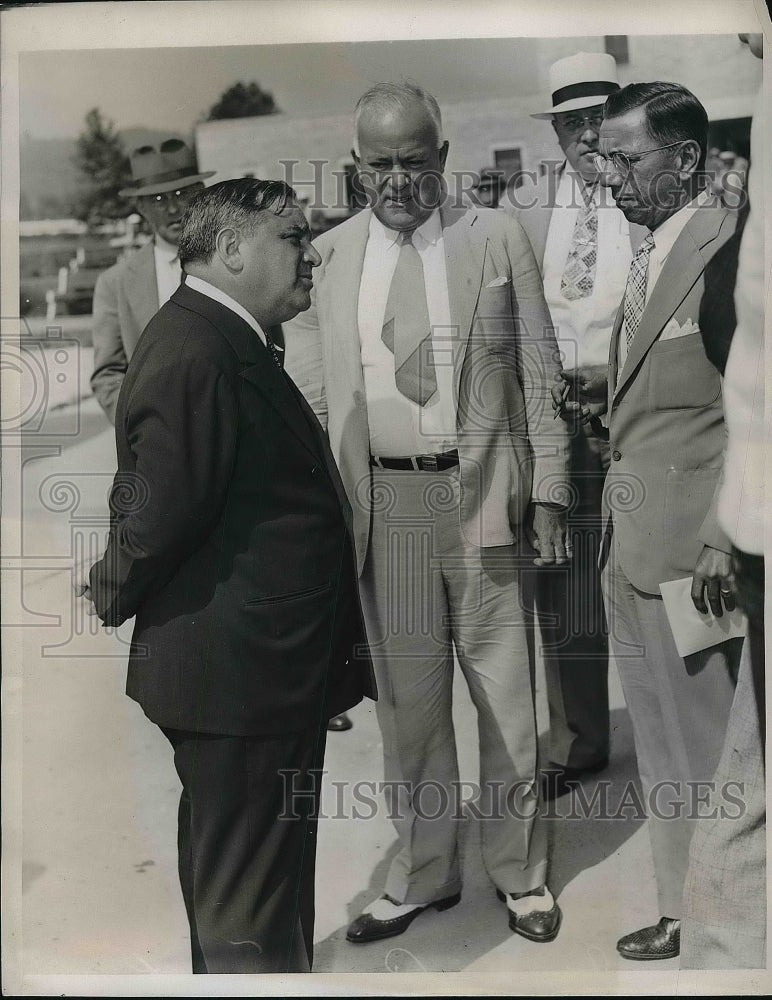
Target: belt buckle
429 463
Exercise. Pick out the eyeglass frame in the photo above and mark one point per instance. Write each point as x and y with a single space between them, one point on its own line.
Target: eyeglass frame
587 121
630 158
164 197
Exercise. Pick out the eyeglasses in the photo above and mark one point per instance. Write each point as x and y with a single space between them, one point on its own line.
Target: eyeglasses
184 195
621 163
578 123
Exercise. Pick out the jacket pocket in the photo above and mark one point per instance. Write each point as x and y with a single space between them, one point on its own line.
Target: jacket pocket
294 596
680 375
688 496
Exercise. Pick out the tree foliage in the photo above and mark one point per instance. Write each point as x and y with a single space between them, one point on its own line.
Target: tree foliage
105 167
243 101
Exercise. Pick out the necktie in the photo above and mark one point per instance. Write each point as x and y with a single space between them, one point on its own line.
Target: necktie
275 354
407 330
579 273
635 290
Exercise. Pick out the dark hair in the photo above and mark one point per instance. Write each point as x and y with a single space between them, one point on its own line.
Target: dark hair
235 203
672 112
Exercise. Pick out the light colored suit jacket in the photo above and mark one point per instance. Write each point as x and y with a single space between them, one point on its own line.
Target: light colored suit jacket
125 300
504 359
666 421
532 205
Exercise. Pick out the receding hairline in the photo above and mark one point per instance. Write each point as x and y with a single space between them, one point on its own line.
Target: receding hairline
393 99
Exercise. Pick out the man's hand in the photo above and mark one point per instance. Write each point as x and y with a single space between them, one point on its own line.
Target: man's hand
85 602
714 577
581 393
545 529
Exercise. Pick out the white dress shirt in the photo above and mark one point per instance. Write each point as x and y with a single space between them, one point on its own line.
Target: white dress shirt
400 427
664 240
199 285
583 326
168 273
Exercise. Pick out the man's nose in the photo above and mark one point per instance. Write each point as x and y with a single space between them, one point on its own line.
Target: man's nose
589 135
311 256
173 205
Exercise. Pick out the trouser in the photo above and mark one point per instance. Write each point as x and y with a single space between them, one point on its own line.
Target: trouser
424 591
679 708
725 911
573 625
247 847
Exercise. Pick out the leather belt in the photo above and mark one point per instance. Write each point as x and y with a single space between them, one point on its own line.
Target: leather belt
418 463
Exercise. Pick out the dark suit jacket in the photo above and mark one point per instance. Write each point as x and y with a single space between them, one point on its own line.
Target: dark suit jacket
230 536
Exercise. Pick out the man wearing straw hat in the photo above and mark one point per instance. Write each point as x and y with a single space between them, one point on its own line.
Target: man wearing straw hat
582 244
129 294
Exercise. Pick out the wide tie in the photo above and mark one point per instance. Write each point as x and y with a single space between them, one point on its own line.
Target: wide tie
579 273
407 330
635 291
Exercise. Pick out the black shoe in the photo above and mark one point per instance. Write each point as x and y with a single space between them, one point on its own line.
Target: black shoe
367 928
556 779
541 925
339 724
663 940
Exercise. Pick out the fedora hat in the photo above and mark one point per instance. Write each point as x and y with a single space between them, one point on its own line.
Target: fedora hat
583 80
167 167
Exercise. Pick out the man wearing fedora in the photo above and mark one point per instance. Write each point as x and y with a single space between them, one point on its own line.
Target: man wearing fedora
129 294
582 244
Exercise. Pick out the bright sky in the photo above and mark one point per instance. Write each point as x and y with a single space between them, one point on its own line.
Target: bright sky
171 88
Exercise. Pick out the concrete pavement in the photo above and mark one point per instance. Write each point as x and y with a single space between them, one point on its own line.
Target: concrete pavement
99 892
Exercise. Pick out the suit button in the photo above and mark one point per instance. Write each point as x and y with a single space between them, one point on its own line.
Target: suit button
314 469
616 455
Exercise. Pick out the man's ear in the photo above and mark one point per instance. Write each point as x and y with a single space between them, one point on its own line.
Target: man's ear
688 158
228 249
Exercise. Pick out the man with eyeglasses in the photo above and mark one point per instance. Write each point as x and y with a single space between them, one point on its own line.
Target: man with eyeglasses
129 294
582 244
667 436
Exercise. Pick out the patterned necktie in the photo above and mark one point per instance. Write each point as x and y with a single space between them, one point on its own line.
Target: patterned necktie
407 331
579 273
635 290
275 354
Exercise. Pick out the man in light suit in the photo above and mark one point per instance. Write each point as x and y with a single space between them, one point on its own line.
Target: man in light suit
230 540
582 243
667 435
428 353
129 294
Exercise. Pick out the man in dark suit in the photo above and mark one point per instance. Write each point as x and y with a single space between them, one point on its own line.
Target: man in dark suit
231 542
666 435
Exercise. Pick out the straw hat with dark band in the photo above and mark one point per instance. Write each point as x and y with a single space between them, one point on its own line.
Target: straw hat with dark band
580 81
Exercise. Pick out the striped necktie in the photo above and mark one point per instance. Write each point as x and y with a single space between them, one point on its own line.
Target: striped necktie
635 290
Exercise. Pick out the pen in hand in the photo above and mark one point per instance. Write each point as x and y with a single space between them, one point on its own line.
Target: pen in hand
563 397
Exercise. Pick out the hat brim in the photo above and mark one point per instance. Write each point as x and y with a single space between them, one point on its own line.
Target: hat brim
576 104
181 182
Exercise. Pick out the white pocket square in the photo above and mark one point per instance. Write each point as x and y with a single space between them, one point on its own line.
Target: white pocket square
674 329
497 282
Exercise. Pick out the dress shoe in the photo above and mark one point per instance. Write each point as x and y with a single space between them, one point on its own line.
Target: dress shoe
369 928
557 779
536 925
663 940
339 724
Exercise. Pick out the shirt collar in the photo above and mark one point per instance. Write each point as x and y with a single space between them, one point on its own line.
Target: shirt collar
429 232
205 288
666 234
166 251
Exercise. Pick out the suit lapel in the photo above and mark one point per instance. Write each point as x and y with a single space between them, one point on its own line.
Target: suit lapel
259 368
684 265
141 286
464 259
338 302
